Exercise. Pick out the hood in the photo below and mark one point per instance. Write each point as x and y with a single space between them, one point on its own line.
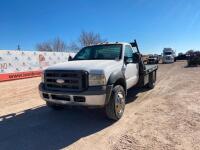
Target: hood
86 65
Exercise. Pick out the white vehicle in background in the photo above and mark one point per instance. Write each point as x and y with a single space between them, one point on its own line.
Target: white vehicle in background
169 55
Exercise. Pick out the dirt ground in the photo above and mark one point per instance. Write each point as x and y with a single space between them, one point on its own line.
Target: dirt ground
167 117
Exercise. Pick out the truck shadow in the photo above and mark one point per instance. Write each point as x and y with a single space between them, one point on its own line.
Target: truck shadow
132 94
43 128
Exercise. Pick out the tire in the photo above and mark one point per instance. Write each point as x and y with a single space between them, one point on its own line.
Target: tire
152 80
116 105
54 106
174 59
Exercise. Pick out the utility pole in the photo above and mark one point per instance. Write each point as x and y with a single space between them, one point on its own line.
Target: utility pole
18 47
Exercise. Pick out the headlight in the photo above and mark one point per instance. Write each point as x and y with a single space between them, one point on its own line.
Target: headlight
96 79
42 77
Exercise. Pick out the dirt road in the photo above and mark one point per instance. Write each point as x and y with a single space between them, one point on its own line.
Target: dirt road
167 117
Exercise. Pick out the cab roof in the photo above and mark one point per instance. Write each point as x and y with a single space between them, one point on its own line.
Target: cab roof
109 43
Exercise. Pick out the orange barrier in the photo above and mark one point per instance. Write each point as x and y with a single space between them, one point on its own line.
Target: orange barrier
19 75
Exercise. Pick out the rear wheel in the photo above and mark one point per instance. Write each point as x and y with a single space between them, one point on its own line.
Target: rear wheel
152 80
54 106
116 105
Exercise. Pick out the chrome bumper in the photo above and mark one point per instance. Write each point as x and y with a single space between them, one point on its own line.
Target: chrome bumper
168 60
96 100
98 97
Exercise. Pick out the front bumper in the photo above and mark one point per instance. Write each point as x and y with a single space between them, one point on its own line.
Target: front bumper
168 60
93 96
151 62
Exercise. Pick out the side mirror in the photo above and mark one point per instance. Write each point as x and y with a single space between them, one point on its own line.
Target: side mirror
136 58
69 58
128 60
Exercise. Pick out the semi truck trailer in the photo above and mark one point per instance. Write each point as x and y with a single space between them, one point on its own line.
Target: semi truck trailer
169 55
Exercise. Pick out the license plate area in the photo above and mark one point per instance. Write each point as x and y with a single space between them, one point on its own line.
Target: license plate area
61 97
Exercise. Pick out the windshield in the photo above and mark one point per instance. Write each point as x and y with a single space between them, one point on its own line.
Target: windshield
151 56
104 52
168 53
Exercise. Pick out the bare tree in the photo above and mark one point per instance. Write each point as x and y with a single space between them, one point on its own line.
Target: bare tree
56 45
73 46
59 45
44 46
89 38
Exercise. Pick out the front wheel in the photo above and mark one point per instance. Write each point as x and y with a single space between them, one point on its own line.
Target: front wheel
116 105
152 80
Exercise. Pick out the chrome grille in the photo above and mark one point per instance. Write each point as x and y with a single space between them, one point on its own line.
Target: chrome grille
73 80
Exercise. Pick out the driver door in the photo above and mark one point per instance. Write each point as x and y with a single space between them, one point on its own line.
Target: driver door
131 69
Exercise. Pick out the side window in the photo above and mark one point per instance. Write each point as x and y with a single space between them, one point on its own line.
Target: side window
128 51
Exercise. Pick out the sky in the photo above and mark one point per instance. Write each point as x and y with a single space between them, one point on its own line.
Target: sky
154 23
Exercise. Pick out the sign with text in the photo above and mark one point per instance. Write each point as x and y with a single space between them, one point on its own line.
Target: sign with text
26 64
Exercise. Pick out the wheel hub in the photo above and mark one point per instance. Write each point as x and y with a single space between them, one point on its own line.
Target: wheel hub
119 103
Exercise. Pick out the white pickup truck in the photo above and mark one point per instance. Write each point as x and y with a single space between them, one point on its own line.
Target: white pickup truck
98 75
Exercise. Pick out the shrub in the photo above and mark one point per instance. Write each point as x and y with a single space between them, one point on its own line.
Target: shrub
194 59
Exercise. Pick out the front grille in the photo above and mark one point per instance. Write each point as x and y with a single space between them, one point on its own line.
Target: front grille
73 80
151 60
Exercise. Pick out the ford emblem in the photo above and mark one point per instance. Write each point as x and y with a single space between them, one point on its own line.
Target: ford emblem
60 81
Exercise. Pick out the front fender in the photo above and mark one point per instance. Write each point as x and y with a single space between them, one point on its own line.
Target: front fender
115 78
